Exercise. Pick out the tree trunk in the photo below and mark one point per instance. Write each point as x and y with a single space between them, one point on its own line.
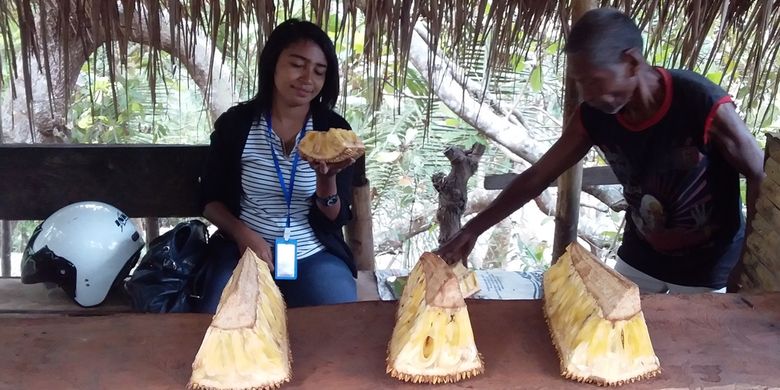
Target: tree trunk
452 188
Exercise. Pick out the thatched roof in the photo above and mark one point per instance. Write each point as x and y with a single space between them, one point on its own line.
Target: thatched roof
748 31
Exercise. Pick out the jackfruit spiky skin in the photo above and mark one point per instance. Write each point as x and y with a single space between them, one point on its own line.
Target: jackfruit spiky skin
246 346
432 340
332 146
596 322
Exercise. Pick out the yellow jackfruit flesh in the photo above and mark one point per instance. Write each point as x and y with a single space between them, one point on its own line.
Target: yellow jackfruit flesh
246 346
332 146
596 322
432 341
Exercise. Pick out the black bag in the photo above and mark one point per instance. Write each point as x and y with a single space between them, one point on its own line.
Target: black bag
165 278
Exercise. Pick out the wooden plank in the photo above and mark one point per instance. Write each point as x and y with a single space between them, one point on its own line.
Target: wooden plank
760 263
344 346
772 147
762 242
25 298
591 176
772 168
19 297
768 211
769 234
770 189
759 278
141 180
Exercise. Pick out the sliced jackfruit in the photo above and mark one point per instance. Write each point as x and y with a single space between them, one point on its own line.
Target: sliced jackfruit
596 322
432 341
247 345
467 280
332 146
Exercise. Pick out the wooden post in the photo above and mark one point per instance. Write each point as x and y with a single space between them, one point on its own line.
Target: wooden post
360 230
360 236
152 228
5 249
567 211
452 190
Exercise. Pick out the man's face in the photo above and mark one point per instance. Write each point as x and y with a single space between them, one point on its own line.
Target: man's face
607 88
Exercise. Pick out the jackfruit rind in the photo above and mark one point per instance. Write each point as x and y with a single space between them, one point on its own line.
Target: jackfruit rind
595 321
247 345
332 146
433 341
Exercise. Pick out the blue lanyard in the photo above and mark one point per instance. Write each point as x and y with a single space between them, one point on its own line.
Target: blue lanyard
287 191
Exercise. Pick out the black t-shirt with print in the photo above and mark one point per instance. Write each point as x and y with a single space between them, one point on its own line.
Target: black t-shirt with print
684 222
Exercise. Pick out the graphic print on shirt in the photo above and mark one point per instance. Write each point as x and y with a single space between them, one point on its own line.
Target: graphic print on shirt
671 205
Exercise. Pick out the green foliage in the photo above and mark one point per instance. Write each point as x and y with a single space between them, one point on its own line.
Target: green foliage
21 234
177 116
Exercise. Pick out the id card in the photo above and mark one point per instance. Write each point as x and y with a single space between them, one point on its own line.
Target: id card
286 259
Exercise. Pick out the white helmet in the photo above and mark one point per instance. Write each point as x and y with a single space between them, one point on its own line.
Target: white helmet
85 248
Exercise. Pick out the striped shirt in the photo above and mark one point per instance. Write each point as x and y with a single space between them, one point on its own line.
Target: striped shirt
263 206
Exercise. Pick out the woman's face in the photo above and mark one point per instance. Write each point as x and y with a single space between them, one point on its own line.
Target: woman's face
300 73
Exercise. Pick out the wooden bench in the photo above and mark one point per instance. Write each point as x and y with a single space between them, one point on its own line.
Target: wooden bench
144 181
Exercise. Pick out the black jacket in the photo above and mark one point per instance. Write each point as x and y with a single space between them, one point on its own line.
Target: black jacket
221 178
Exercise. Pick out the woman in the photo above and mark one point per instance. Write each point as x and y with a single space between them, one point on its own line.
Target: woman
252 155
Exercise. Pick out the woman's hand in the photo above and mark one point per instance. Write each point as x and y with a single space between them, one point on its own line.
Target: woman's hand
248 238
324 169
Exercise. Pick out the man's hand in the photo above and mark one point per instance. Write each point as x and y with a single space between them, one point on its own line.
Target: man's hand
248 238
458 247
325 169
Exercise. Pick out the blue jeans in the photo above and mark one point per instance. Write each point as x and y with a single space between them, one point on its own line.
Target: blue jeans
322 278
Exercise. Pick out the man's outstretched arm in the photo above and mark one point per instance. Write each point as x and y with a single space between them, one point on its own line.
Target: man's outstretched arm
570 148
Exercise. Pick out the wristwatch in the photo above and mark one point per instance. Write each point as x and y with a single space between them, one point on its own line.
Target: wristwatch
328 201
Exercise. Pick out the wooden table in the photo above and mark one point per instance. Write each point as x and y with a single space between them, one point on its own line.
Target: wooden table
719 341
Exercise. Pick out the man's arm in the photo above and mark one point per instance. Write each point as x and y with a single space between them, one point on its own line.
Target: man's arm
740 149
570 148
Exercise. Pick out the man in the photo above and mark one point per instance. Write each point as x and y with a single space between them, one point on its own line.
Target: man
675 142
